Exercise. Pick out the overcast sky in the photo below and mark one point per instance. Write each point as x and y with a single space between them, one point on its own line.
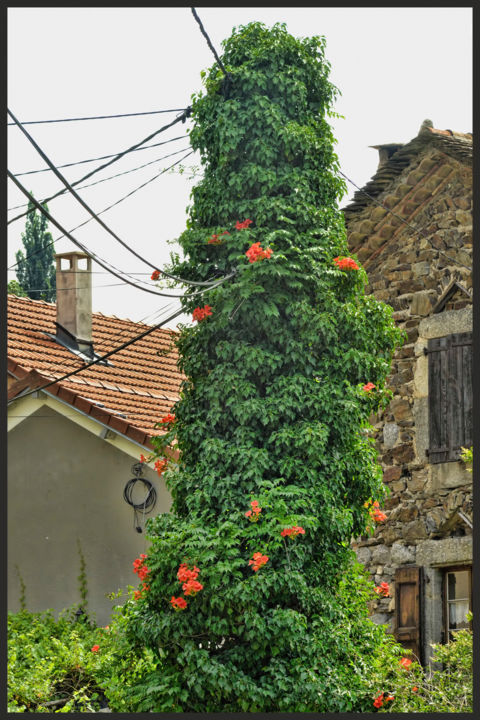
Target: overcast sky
395 67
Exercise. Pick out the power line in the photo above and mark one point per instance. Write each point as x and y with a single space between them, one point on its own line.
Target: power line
99 117
31 290
102 358
93 214
209 43
112 177
181 118
102 157
104 263
109 207
399 217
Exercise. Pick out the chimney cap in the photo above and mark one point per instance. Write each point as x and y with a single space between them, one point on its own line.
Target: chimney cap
78 253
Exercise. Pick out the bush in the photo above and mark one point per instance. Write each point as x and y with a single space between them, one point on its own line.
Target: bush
417 689
71 665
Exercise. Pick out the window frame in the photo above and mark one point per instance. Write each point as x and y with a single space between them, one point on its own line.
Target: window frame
446 570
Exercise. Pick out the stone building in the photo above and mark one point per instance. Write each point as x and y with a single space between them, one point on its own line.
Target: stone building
411 228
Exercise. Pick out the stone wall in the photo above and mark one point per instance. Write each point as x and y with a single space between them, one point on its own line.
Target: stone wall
410 274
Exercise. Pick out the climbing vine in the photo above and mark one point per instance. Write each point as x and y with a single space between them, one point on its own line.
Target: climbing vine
284 363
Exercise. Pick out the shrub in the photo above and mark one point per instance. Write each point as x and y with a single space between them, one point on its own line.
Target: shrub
69 664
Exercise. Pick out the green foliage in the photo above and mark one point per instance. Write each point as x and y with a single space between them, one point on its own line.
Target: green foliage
15 288
23 590
36 269
82 578
467 457
272 408
447 688
52 668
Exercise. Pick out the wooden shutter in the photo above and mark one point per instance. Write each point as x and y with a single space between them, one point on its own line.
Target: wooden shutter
450 396
407 628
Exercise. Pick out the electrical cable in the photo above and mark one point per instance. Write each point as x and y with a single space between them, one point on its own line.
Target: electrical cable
104 263
102 157
109 207
102 358
95 216
181 118
99 117
35 290
112 177
416 230
209 43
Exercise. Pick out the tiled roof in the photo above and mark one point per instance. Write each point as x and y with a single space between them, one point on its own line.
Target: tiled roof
457 145
130 396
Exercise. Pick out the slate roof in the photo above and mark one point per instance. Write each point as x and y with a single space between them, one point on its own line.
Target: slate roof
371 228
130 396
457 145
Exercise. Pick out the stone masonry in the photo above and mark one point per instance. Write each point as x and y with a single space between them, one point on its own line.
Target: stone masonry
423 270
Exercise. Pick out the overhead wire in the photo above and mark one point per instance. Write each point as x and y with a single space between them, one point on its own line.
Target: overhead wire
96 217
105 263
112 177
102 157
209 42
98 117
179 118
419 231
109 207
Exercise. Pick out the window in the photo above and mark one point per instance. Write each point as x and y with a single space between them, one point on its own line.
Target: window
450 396
458 599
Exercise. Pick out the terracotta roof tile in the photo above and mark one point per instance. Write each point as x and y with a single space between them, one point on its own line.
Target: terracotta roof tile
140 383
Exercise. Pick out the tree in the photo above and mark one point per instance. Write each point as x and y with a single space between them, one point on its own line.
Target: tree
15 288
249 594
36 268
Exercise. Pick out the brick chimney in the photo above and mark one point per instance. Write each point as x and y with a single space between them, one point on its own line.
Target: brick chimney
74 301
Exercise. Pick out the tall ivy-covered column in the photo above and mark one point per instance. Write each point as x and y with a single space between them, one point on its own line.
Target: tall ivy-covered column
245 598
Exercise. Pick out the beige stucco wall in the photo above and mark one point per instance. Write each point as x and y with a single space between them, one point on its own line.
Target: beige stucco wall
66 483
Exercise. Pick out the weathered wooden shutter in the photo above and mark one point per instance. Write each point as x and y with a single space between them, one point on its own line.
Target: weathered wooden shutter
408 629
450 396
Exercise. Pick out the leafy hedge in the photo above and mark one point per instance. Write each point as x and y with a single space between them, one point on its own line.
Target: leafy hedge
66 665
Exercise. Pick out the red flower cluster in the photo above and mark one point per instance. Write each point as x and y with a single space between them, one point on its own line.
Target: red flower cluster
169 419
375 512
216 238
243 225
155 275
184 574
161 466
380 699
345 263
178 603
254 512
292 532
369 386
143 459
142 571
200 314
255 252
383 589
257 561
405 663
140 568
190 585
